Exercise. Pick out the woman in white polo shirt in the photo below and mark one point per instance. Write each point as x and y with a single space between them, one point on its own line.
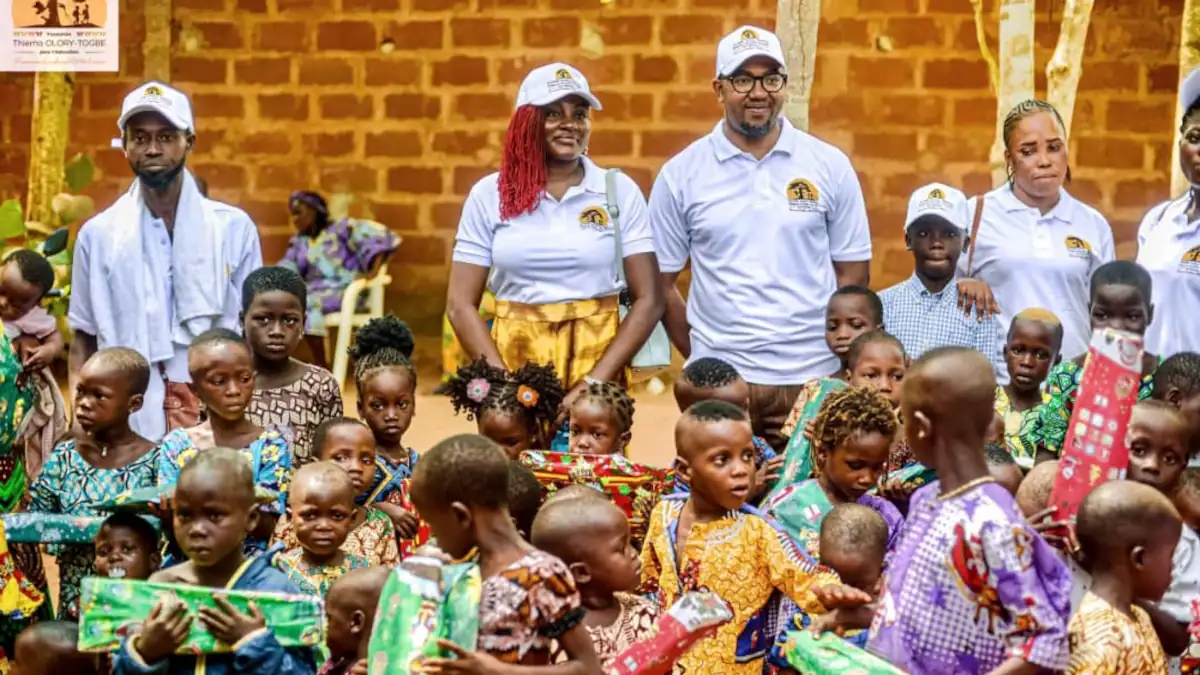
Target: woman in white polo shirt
1036 245
1169 243
542 231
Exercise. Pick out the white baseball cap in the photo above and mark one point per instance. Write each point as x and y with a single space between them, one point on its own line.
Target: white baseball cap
554 81
744 44
939 201
159 98
1189 90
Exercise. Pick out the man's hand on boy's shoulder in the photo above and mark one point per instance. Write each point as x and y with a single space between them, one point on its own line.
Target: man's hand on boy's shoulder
229 625
163 632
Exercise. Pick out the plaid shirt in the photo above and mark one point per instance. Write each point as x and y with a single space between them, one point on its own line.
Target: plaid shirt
923 321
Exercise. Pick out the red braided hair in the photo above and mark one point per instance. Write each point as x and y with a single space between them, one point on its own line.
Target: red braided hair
523 164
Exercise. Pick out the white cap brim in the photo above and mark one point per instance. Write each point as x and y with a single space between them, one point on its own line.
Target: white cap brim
733 66
172 117
1189 90
932 216
592 101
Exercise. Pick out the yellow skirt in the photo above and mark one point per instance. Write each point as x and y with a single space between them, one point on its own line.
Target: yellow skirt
571 336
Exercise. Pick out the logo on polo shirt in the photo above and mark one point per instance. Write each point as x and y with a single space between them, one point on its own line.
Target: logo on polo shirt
562 81
749 40
1190 262
593 218
802 195
1078 248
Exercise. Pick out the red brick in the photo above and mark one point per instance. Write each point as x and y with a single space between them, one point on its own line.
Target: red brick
199 70
325 71
1140 194
642 176
395 216
209 106
844 32
612 142
254 6
934 6
665 143
967 39
1163 79
415 180
370 5
1107 153
977 182
465 143
447 214
112 162
330 145
912 31
220 34
904 184
289 7
208 5
654 69
976 111
627 30
693 105
845 111
393 144
263 71
1111 76
679 30
19 128
924 110
346 106
460 70
479 32
285 176
393 71
281 36
267 143
956 147
283 106
608 70
1140 116
92 131
465 177
411 106
723 4
901 146
275 245
347 36
483 106
882 72
956 74
554 32
420 248
621 106
105 96
416 34
1086 191
349 178
438 5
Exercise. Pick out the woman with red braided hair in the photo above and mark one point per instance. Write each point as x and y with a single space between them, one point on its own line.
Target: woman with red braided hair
542 233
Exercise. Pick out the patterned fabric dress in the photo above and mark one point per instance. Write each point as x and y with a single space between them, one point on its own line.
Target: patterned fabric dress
634 623
315 580
525 607
19 601
69 485
338 255
570 336
390 477
1019 426
1105 641
374 540
801 508
1054 416
301 406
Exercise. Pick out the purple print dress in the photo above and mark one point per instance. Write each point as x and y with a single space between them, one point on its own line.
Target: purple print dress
338 255
970 586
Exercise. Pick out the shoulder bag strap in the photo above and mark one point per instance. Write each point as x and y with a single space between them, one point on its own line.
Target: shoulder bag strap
614 212
974 233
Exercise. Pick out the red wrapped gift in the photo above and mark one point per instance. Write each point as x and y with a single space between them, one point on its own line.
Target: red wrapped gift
692 618
407 546
1096 449
634 488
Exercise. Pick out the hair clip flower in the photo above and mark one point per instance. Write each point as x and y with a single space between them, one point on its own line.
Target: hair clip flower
527 396
477 389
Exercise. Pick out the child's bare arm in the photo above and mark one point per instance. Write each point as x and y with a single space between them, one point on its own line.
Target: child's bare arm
575 642
1173 634
1015 666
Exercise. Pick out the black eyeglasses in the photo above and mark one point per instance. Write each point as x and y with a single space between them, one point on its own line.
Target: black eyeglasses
744 84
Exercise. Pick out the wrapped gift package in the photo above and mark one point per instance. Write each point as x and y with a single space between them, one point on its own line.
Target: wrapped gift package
831 655
422 602
634 488
407 546
54 528
1189 661
692 618
908 479
1096 449
142 499
112 609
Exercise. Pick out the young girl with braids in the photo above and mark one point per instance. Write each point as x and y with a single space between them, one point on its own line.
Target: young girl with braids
387 399
517 410
601 420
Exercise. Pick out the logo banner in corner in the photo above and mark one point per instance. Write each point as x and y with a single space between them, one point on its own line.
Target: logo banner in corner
59 35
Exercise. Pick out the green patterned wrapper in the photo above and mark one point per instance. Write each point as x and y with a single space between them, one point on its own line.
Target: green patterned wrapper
54 528
420 604
831 655
112 609
797 456
140 500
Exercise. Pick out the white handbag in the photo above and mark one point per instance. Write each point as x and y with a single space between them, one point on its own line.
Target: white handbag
656 352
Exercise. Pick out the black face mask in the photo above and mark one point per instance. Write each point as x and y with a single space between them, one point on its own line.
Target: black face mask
157 180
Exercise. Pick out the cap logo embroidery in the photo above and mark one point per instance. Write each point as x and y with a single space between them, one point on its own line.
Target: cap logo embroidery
749 35
802 195
1190 262
749 40
936 193
563 81
1078 248
562 74
593 218
152 91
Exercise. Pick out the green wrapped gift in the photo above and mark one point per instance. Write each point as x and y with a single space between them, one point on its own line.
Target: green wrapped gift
141 499
54 528
831 655
112 609
422 602
911 477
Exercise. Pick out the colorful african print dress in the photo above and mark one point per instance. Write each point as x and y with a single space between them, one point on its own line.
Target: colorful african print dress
301 406
453 354
801 508
1105 641
390 474
374 540
334 258
744 560
315 580
1018 428
1054 416
20 601
634 623
524 607
69 485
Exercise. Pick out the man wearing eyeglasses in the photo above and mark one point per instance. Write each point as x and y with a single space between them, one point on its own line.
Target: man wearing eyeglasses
163 264
773 222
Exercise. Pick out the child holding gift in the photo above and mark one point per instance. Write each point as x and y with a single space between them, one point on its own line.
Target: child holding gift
349 615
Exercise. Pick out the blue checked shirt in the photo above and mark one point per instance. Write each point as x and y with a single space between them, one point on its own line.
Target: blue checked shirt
923 321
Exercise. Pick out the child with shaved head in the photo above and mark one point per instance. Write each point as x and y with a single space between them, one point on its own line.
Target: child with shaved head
1127 533
321 507
49 648
349 615
1030 351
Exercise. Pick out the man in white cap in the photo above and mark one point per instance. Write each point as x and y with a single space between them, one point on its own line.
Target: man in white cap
163 264
922 312
773 221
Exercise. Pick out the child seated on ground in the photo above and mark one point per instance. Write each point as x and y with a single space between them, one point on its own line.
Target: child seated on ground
321 507
460 488
516 410
214 509
601 421
127 547
524 498
49 648
970 587
1030 351
1004 468
287 391
711 540
1127 533
349 444
592 537
349 615
222 372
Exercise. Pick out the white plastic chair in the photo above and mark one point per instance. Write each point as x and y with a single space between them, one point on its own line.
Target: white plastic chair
348 319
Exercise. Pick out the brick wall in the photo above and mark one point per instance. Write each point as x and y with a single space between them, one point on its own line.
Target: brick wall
305 93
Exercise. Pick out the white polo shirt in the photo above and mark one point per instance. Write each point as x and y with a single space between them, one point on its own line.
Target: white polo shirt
1034 260
562 251
762 236
1169 248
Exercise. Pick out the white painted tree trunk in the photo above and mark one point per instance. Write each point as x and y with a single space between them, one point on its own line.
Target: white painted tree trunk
156 50
1066 65
1189 60
796 24
1014 82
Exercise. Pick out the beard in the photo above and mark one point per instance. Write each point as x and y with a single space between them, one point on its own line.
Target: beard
755 130
157 180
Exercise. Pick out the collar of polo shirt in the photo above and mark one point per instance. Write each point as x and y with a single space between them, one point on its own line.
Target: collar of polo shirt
593 176
726 150
1063 211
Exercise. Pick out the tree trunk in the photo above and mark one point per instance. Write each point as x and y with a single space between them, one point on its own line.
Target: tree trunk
52 95
1066 65
796 24
1015 81
156 49
52 20
1189 60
